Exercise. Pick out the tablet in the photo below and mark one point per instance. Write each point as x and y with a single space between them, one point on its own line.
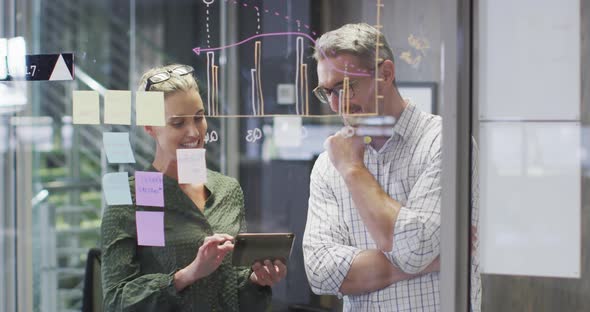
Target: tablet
252 247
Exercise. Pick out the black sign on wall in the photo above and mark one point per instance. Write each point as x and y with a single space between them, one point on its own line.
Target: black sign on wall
52 67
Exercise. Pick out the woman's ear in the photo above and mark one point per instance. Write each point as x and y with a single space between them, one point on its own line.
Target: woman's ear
387 71
150 130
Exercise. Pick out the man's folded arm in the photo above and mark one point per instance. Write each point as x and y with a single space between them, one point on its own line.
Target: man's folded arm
416 238
326 249
371 271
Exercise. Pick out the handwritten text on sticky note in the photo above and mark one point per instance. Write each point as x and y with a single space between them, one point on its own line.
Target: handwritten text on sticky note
149 189
117 147
191 165
115 186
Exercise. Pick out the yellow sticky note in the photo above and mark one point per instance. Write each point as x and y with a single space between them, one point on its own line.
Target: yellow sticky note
117 107
149 107
86 107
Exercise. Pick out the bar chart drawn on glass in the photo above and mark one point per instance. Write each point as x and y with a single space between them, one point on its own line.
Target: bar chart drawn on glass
300 81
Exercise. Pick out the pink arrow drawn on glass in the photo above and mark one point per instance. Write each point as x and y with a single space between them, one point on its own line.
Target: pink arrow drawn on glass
198 50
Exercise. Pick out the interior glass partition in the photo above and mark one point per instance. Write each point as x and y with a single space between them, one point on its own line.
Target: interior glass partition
534 164
254 65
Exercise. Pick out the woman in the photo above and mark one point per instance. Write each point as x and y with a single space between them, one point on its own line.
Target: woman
192 272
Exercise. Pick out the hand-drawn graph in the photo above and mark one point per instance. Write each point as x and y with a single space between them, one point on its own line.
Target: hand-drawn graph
301 77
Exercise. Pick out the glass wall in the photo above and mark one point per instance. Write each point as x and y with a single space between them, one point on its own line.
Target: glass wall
60 164
532 123
254 65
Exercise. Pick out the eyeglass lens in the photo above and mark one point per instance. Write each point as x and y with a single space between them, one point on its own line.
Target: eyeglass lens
325 95
182 70
160 77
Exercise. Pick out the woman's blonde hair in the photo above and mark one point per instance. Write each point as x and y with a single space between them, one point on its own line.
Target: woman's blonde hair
174 83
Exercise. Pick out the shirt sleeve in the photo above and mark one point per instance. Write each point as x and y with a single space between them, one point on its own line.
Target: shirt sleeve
326 253
124 288
417 228
243 224
475 269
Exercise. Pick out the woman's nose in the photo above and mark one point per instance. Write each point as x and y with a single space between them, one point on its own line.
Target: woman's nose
194 130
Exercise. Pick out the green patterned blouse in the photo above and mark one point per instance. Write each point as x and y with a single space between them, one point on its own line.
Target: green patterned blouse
140 278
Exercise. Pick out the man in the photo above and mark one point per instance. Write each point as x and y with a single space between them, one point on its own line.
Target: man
373 227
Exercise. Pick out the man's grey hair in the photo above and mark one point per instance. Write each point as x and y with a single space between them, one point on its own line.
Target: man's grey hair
175 83
359 40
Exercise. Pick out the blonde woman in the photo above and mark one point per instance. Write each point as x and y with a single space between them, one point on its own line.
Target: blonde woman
193 272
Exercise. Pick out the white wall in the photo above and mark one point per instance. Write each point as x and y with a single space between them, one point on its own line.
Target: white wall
529 103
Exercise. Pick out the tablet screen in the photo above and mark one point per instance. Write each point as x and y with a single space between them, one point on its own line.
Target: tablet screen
252 247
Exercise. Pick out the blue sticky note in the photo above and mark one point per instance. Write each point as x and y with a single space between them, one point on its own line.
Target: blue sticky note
115 186
150 228
117 147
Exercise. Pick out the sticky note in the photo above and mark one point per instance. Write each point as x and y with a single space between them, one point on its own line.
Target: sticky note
115 186
117 147
86 107
149 189
149 107
191 165
287 131
117 107
150 228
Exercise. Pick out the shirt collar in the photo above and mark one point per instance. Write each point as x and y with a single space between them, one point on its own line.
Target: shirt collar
407 122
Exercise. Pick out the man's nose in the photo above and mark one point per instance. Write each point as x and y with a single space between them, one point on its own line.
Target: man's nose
334 101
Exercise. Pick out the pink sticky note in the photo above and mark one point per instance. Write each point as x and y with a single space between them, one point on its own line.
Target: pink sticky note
149 189
150 228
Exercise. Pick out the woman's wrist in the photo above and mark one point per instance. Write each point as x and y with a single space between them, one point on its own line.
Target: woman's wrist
184 278
251 277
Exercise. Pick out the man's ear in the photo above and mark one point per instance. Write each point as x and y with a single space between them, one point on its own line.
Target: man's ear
387 71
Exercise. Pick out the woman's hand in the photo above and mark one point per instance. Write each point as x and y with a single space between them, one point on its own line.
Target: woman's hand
269 273
208 259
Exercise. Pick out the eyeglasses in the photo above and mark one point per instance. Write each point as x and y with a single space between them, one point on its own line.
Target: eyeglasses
165 75
325 94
